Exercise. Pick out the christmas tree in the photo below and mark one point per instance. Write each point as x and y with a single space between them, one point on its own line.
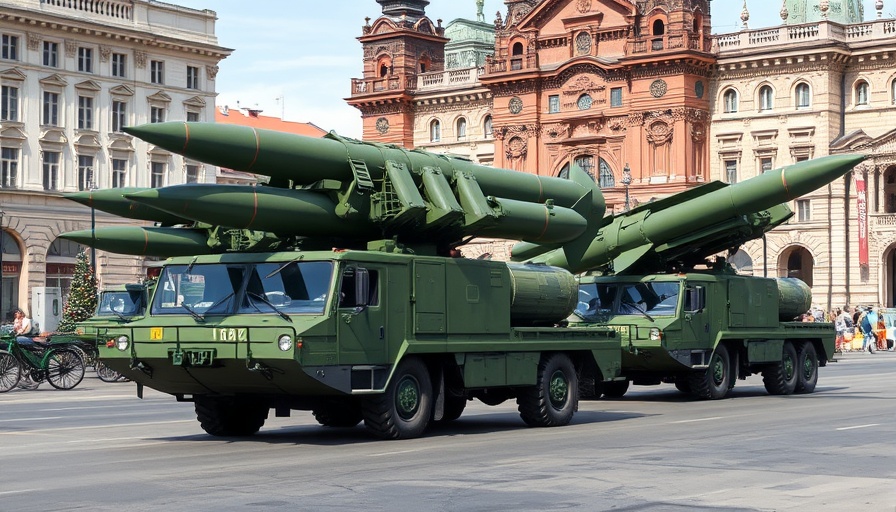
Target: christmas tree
81 303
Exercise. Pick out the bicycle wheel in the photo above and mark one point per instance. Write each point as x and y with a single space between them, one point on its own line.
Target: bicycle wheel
10 371
65 369
105 373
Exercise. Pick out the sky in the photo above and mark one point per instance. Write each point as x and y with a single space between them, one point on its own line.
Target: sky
295 58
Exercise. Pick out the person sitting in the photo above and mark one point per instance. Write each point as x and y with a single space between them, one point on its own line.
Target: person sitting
23 328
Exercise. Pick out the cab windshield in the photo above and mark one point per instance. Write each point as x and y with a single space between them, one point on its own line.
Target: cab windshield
121 303
224 289
599 301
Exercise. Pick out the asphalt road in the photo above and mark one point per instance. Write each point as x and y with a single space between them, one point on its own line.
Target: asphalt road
99 448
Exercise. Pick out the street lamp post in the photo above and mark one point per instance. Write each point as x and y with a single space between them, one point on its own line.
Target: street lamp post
626 180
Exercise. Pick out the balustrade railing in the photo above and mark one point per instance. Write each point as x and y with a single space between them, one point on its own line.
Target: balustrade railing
118 9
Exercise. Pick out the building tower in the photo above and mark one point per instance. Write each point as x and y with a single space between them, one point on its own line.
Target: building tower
616 87
398 46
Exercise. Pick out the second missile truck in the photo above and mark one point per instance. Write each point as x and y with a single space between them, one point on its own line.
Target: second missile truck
389 327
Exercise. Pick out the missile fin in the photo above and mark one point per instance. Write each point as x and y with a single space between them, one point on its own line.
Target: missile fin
629 258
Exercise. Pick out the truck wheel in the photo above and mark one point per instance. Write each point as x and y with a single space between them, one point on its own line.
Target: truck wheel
615 389
230 416
454 407
781 378
338 414
552 401
404 410
713 383
807 363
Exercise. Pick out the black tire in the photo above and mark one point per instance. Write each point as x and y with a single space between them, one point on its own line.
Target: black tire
807 363
683 384
65 368
554 398
714 382
405 409
781 378
230 416
454 407
106 374
10 371
615 389
338 414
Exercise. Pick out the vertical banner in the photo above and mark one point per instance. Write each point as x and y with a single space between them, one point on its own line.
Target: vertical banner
862 204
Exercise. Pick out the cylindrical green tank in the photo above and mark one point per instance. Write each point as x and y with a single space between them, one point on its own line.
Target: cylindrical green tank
794 298
541 295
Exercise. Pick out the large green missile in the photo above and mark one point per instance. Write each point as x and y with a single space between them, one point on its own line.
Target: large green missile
696 223
306 160
313 214
111 200
145 241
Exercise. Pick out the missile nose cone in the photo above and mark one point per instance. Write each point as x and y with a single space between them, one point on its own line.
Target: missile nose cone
803 177
168 135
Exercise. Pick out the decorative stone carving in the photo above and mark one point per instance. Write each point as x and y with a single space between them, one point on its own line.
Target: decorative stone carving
71 48
583 6
659 133
34 41
517 147
105 52
211 72
140 59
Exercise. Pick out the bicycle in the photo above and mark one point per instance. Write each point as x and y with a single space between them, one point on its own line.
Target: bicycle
59 363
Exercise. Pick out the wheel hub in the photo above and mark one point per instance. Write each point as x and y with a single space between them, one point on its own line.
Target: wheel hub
559 390
407 397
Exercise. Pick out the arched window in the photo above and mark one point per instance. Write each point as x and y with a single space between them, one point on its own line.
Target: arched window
384 70
862 93
586 163
802 95
516 62
890 190
424 64
893 91
435 131
800 264
487 127
766 98
605 178
461 129
659 28
730 99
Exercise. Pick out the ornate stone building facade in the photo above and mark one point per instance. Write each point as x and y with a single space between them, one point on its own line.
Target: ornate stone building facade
823 82
72 75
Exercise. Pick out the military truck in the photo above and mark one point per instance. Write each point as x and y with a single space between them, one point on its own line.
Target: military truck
703 330
396 340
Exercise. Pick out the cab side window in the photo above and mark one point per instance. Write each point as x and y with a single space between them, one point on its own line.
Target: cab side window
360 287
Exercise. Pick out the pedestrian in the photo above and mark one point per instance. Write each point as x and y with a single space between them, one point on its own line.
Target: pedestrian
845 330
868 324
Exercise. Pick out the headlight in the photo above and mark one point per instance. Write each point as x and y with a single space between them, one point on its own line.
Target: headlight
285 342
122 343
656 334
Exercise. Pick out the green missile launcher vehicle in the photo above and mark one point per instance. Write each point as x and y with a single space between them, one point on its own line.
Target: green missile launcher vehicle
336 288
394 340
